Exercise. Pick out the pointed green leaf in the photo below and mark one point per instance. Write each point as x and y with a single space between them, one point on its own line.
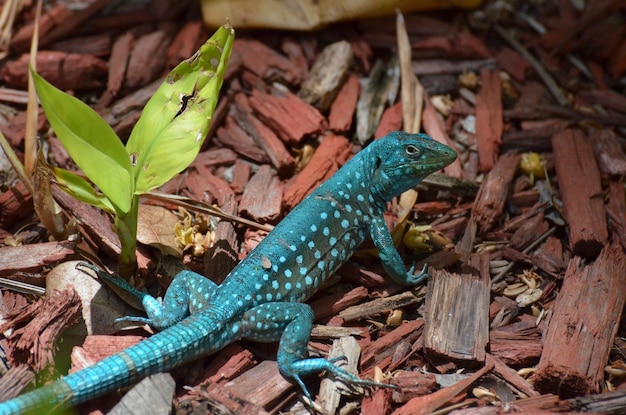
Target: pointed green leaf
90 141
174 123
81 189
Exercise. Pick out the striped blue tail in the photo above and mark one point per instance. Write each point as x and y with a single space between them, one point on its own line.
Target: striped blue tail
198 335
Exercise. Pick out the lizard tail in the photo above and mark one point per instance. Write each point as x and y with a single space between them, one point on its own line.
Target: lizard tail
198 335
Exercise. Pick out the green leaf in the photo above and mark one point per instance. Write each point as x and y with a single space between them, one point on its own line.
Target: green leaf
175 122
81 189
90 141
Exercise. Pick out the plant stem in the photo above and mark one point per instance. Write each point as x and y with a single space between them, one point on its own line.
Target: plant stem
126 225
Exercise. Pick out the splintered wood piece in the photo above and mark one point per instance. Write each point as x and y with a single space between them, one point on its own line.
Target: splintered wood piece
609 153
288 116
36 328
457 306
429 403
98 347
382 350
221 258
513 63
118 63
378 306
616 210
326 76
16 203
512 377
153 395
261 385
332 304
33 257
492 194
489 118
226 365
332 153
391 120
147 59
263 195
233 136
263 136
14 380
581 191
185 43
413 384
584 322
264 62
63 70
204 185
434 127
347 349
342 109
516 348
378 403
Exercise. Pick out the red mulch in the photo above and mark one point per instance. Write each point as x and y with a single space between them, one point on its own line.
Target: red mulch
522 311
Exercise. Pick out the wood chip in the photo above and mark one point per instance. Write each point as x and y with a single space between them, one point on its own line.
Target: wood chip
332 153
492 195
489 118
457 326
581 191
326 76
263 196
343 107
288 116
580 337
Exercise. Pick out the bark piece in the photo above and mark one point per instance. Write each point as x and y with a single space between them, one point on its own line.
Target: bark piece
260 385
64 70
585 320
33 257
147 59
458 320
15 204
290 117
264 62
343 107
489 118
609 152
262 198
264 136
14 380
185 43
581 191
429 403
233 136
380 352
326 76
221 258
332 153
434 127
391 120
37 327
492 195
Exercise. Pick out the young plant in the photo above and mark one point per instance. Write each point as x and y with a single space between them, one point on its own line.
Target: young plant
165 140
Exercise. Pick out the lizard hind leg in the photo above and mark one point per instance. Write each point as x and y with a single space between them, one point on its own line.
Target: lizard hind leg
291 324
187 293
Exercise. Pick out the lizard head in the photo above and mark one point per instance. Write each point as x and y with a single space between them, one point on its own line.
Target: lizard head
402 160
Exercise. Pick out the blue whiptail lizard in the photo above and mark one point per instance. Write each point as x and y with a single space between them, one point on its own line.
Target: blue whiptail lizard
262 297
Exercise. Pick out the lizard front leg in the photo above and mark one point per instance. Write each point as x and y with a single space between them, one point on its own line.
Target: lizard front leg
389 256
188 293
291 324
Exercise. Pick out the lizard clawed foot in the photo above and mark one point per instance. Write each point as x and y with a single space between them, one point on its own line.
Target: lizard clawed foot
414 279
307 366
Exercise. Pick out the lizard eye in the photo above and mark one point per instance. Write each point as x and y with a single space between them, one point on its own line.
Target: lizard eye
412 151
